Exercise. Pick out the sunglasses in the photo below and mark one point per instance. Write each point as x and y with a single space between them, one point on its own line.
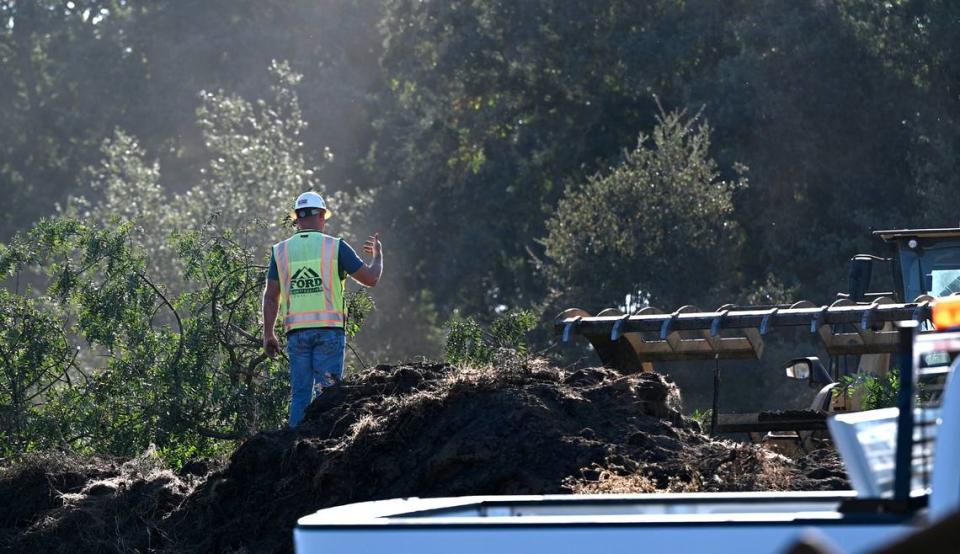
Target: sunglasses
307 212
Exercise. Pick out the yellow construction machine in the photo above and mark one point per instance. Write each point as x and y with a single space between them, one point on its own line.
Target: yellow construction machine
858 325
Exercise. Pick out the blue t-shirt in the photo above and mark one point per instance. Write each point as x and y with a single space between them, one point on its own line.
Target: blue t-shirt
347 259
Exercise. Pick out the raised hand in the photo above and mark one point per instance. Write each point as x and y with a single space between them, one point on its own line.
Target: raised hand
373 245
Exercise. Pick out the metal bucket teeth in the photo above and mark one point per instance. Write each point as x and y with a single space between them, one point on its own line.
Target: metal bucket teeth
627 341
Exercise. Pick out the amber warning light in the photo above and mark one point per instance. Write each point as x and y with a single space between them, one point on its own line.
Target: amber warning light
946 313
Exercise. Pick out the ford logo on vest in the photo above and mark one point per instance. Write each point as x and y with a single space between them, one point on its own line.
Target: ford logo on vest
305 281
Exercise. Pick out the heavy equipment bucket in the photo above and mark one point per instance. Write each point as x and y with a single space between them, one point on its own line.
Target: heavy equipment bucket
632 342
628 341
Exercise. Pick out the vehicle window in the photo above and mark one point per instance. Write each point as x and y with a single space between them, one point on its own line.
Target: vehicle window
935 269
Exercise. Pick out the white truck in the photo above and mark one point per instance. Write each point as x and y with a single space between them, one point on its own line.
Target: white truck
904 480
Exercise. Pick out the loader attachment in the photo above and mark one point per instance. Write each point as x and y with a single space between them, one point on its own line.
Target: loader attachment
632 342
627 341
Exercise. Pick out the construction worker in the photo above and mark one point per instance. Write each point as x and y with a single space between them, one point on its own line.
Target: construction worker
305 283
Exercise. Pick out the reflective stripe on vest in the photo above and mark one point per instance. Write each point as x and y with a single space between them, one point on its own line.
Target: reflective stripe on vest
311 290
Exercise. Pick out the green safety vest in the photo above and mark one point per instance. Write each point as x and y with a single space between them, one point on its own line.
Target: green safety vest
311 290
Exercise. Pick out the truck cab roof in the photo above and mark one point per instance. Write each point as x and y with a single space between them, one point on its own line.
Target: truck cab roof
891 235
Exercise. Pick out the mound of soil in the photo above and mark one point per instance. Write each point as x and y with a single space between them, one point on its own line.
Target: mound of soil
410 430
57 503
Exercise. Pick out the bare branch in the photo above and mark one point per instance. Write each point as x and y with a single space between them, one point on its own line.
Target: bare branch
181 344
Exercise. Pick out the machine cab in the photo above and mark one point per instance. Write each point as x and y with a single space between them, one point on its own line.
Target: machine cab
927 262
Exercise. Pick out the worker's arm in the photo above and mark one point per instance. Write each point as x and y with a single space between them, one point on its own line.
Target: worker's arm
369 274
271 305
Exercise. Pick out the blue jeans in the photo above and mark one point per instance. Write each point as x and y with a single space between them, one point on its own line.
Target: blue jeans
316 362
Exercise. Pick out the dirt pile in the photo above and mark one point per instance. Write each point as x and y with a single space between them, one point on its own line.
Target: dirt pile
57 503
419 430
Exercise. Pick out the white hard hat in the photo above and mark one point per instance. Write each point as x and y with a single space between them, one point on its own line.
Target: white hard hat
311 200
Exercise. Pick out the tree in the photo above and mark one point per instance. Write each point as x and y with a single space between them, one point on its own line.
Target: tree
65 73
819 119
915 41
179 371
257 165
35 356
73 72
658 227
493 106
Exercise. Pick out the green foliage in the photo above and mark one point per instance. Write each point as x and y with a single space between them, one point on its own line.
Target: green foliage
704 418
770 291
839 109
493 106
510 330
653 227
180 371
35 355
468 343
465 343
47 52
359 305
875 392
